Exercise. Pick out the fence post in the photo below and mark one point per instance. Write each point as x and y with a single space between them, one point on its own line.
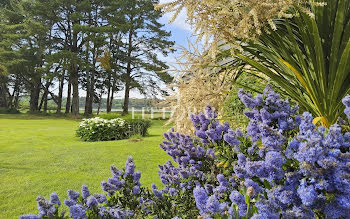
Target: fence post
164 113
152 116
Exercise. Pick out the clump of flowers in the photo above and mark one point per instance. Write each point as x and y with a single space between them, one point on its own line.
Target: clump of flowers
283 166
99 129
123 199
346 102
292 169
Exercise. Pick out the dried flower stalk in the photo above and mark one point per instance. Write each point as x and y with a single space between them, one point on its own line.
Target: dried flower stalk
200 82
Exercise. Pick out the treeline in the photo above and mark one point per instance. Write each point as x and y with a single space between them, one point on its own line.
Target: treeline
101 106
100 47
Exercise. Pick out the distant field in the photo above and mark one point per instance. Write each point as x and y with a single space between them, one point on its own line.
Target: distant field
39 155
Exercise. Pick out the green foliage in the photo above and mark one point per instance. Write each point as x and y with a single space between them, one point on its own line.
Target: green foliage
9 111
308 58
138 127
233 110
233 107
111 116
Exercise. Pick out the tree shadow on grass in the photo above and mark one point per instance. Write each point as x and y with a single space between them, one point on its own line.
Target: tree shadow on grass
149 136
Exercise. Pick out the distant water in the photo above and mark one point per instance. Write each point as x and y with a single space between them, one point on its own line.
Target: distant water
130 110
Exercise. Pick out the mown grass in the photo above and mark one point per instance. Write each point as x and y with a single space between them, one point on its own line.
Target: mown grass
39 155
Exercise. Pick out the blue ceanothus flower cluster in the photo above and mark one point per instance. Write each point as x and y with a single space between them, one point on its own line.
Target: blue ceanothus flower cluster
282 167
346 102
78 205
123 198
292 169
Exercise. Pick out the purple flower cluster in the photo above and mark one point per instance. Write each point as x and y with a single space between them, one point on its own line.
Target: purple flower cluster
80 205
324 173
191 157
269 168
97 205
123 187
269 116
224 199
118 181
45 207
346 102
211 131
294 180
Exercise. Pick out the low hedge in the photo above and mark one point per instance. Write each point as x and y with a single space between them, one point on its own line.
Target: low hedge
9 111
138 127
99 129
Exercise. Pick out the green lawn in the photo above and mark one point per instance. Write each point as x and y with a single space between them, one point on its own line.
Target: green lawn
42 155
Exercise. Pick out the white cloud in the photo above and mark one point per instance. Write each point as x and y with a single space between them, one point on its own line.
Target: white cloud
180 21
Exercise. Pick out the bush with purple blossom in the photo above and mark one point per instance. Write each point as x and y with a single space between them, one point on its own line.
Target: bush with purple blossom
284 166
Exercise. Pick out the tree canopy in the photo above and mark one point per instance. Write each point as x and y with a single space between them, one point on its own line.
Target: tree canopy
98 46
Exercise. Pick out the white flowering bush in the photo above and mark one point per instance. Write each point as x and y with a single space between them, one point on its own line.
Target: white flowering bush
98 129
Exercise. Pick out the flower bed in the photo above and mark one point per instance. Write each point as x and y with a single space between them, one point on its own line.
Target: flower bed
283 166
98 129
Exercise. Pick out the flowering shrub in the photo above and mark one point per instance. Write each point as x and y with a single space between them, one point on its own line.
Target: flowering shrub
283 166
98 129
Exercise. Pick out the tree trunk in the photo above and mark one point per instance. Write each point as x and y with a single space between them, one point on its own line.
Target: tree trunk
112 96
87 70
126 97
75 86
60 95
74 73
16 104
109 93
3 93
99 102
13 102
88 94
44 97
87 100
45 104
69 94
128 75
34 96
3 98
91 82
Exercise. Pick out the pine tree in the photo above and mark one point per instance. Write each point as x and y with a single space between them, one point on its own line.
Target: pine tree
46 43
23 51
145 41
